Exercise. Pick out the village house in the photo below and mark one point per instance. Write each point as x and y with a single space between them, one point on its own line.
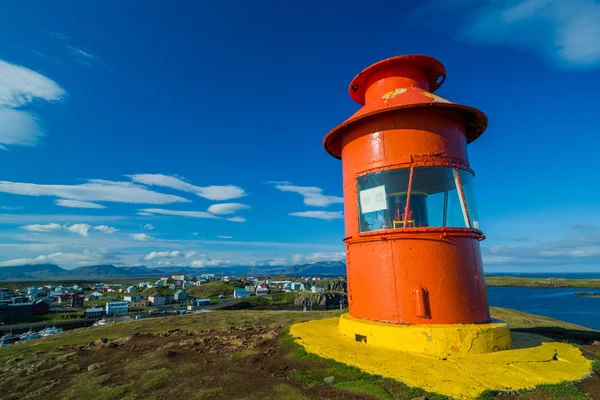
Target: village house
131 289
132 297
239 293
94 312
117 307
139 303
77 301
157 299
317 289
159 283
180 295
178 277
262 289
94 296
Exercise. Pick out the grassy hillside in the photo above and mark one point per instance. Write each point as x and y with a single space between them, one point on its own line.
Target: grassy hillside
541 282
210 289
214 355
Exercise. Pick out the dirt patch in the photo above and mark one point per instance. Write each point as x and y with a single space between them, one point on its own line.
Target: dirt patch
237 362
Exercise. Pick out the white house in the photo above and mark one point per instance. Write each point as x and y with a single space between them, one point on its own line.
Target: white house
239 293
131 289
262 289
116 307
157 299
94 296
132 297
317 289
159 283
178 277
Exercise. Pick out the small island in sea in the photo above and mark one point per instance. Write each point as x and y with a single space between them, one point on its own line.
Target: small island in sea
588 294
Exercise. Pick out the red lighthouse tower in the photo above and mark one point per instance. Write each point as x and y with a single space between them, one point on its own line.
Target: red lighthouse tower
412 231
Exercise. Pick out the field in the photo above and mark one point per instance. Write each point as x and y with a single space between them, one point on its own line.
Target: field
221 355
541 282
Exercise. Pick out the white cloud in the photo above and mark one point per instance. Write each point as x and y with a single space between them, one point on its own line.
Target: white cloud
14 219
162 254
148 227
237 219
564 31
192 214
52 227
313 196
93 190
216 193
225 237
18 128
144 214
9 208
79 229
317 257
326 215
227 208
20 86
77 204
105 229
142 237
60 258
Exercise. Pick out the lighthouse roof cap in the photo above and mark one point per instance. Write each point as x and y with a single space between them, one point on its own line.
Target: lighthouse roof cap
435 71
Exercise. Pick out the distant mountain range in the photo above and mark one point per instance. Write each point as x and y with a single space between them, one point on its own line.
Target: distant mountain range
42 272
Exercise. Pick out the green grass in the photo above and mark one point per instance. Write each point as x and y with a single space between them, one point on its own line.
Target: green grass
596 365
541 282
562 391
210 289
287 392
208 394
90 387
153 378
368 388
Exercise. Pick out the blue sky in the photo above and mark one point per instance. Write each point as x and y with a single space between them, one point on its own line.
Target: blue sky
189 133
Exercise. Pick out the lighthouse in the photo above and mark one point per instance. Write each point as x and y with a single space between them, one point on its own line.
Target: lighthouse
412 232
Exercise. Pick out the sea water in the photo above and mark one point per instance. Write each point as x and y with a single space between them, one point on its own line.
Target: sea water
557 303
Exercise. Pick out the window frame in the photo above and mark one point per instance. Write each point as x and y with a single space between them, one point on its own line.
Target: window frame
468 219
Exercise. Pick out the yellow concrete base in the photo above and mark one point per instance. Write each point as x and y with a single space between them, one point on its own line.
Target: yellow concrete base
534 360
429 339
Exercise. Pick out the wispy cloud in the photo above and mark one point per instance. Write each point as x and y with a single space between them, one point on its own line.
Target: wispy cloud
237 219
77 204
564 31
86 57
326 215
225 237
105 229
142 237
317 257
93 190
313 196
192 214
216 193
148 227
21 87
52 227
80 229
227 208
11 208
71 259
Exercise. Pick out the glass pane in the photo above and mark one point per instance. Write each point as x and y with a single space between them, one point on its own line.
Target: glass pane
434 199
381 198
466 180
